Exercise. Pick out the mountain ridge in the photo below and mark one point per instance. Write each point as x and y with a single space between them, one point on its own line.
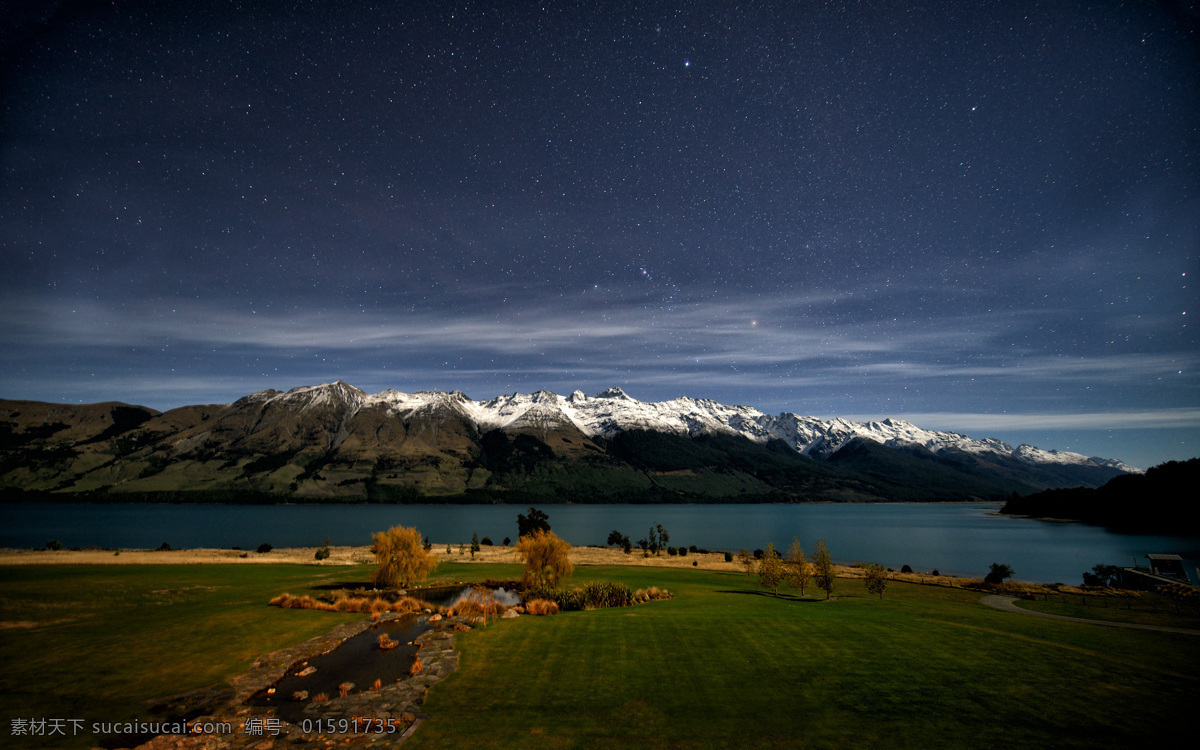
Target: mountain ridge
336 442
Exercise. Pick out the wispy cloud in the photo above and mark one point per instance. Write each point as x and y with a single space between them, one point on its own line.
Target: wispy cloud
1106 420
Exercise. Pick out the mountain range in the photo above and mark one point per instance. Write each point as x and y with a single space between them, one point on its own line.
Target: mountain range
336 443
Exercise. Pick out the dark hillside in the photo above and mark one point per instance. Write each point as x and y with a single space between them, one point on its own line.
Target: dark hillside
1164 499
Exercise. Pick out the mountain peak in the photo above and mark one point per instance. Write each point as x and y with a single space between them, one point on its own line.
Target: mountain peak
614 392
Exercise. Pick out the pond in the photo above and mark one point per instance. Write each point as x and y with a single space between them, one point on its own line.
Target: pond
358 660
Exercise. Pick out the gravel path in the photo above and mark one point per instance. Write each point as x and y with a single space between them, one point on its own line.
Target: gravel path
1009 604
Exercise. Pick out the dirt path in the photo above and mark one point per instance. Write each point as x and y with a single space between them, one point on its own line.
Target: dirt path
1009 604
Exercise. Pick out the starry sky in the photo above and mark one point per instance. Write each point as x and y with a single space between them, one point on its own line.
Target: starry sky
978 216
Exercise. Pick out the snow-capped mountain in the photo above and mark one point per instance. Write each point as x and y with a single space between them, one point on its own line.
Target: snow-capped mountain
612 411
334 442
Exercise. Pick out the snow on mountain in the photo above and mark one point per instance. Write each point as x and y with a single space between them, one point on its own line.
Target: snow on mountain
613 410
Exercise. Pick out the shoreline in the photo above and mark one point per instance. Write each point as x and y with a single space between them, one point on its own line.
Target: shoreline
345 556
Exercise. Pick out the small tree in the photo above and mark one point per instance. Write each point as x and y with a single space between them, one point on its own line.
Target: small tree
876 579
474 544
402 559
615 538
770 570
663 536
1102 575
546 557
536 520
796 567
823 574
654 544
998 573
746 560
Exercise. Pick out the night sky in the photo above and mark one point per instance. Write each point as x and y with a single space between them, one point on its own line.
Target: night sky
978 216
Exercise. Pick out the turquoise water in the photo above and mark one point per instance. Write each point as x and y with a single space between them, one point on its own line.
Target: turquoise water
955 539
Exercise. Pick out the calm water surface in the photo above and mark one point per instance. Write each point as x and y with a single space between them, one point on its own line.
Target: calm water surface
955 539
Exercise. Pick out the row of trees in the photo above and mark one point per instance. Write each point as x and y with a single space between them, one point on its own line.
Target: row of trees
795 569
655 541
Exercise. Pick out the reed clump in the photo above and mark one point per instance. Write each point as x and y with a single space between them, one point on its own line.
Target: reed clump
541 607
654 593
343 602
478 603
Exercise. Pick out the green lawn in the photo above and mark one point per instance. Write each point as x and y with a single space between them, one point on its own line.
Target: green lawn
719 665
110 638
722 665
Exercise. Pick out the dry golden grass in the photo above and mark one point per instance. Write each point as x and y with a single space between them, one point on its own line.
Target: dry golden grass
347 555
478 603
343 602
541 607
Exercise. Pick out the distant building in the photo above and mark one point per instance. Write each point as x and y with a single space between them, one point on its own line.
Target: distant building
1167 565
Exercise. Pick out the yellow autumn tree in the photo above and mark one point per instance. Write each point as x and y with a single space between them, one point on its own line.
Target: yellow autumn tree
546 559
402 558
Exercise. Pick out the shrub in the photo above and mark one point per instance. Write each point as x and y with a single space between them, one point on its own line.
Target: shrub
264 548
695 564
568 600
934 572
758 554
486 542
672 552
683 551
164 547
728 557
598 595
322 554
54 544
906 569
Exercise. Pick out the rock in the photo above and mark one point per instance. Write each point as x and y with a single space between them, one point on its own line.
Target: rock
435 618
306 671
300 695
346 686
509 614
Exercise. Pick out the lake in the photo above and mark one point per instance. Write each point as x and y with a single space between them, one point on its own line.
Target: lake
957 539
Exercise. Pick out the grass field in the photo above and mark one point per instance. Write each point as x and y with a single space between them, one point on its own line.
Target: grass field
720 665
